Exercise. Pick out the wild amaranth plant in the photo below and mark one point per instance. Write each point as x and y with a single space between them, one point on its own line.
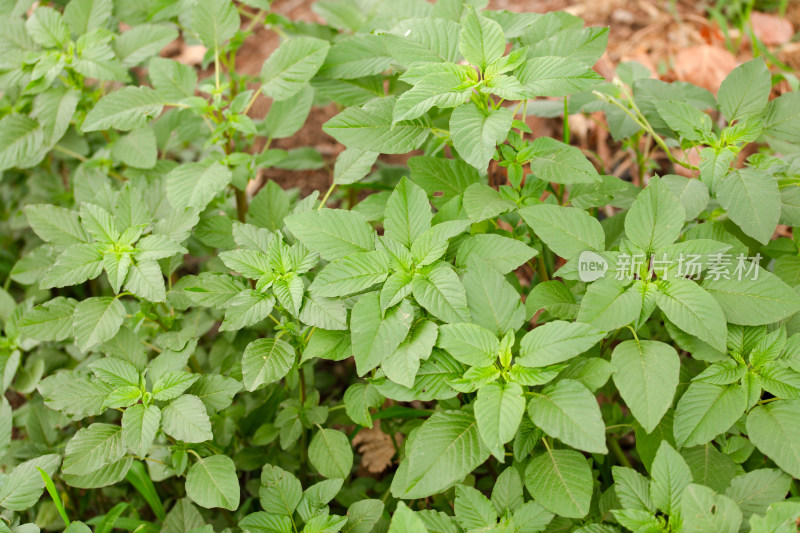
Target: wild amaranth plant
537 345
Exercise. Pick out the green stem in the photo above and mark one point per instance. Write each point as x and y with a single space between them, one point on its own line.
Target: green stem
613 445
325 198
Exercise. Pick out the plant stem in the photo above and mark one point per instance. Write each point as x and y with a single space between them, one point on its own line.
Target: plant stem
241 204
325 198
613 445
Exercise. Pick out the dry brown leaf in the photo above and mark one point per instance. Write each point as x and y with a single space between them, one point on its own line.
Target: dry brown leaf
771 29
376 448
191 55
704 65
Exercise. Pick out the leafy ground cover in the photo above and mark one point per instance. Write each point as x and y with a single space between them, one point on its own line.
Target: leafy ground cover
474 326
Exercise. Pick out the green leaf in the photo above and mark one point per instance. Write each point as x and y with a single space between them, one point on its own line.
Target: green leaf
632 489
685 119
704 510
352 165
567 411
47 28
498 411
745 91
186 419
116 372
76 395
555 342
351 274
482 202
266 361
472 509
753 302
359 398
370 127
501 253
142 42
83 16
50 321
656 217
444 89
196 184
280 491
469 343
215 391
646 374
331 454
286 117
402 365
439 454
172 80
705 410
363 515
23 487
475 132
694 310
145 281
773 428
136 149
753 201
568 231
264 522
782 118
670 477
443 179
561 481
714 166
55 225
441 293
356 57
21 140
212 482
754 491
710 467
405 520
609 305
432 244
139 428
292 65
332 233
215 21
172 384
561 163
423 40
481 40
376 335
126 109
97 320
93 447
247 308
555 76
493 303
507 492
692 193
408 213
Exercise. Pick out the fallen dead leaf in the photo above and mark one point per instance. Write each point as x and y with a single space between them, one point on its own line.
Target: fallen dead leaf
704 65
772 30
376 448
191 55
